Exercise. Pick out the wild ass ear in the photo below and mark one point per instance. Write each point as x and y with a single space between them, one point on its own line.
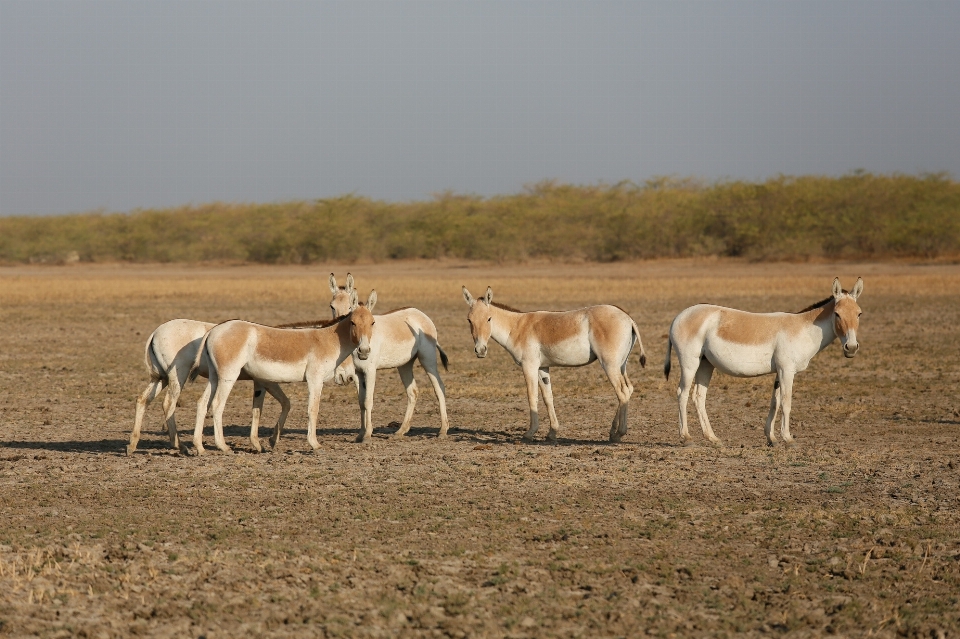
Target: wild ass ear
857 288
333 284
837 289
468 297
354 300
349 282
372 300
488 298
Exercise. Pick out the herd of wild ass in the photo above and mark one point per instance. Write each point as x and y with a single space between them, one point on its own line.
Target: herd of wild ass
355 344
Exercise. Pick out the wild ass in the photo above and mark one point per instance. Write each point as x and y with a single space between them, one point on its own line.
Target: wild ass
274 355
752 344
399 338
171 349
540 339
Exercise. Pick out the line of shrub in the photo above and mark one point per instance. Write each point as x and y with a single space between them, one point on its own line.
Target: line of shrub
860 215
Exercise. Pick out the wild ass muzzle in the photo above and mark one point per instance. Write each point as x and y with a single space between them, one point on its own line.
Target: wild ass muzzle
746 344
274 355
540 339
399 338
172 348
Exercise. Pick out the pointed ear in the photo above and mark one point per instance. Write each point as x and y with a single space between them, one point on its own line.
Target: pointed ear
354 300
488 298
372 300
333 284
349 282
837 289
857 288
468 297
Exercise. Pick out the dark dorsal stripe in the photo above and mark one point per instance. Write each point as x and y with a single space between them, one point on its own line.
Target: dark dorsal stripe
397 310
312 324
505 307
819 304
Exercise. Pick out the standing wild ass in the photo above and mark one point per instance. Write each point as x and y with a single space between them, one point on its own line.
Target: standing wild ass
541 339
171 350
266 354
399 338
752 344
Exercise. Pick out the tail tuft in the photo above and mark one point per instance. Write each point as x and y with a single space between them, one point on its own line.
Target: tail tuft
443 358
666 363
643 360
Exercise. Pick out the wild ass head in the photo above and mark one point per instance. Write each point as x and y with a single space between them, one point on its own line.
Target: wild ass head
480 319
361 326
344 297
846 316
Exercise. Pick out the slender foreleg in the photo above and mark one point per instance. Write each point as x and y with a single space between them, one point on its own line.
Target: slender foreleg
274 389
688 371
772 415
546 389
368 384
146 397
623 389
315 388
786 390
701 385
531 376
410 384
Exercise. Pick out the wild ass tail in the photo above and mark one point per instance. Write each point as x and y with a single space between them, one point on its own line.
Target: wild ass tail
443 357
151 362
666 363
643 354
195 367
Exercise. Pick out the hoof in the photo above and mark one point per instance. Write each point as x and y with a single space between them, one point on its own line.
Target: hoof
615 438
131 449
717 444
362 439
791 444
687 443
397 435
442 436
199 452
527 440
184 450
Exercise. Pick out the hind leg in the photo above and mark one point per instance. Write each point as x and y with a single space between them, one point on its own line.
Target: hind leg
410 384
258 396
701 384
772 415
203 404
148 395
623 389
429 363
274 389
219 403
623 416
786 388
688 371
546 389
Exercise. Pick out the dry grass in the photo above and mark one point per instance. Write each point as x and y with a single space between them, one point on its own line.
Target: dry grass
853 533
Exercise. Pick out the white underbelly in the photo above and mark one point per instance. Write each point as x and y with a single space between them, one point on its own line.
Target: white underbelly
569 353
740 360
270 371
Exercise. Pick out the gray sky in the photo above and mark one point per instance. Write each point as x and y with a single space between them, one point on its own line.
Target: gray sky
120 104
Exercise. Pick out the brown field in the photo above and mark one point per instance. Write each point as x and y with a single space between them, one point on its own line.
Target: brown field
856 532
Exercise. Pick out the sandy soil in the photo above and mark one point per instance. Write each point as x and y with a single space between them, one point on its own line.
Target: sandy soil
855 532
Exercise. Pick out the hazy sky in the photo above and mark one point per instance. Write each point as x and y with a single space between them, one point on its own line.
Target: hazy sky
121 104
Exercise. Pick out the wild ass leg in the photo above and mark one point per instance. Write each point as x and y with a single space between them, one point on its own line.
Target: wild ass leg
623 389
368 384
258 396
278 394
410 384
531 375
313 409
202 405
772 415
688 371
428 359
170 403
546 389
701 384
148 395
786 390
219 403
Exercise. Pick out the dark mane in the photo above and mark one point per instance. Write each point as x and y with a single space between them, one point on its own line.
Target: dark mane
505 307
312 324
819 304
397 310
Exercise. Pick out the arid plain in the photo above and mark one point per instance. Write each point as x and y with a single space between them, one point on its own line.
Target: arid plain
855 532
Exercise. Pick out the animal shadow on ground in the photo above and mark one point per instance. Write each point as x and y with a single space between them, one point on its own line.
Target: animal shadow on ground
89 447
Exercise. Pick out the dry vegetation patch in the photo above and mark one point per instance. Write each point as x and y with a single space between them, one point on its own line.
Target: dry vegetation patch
855 532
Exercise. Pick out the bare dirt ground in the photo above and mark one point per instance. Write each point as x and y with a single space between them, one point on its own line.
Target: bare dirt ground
855 532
